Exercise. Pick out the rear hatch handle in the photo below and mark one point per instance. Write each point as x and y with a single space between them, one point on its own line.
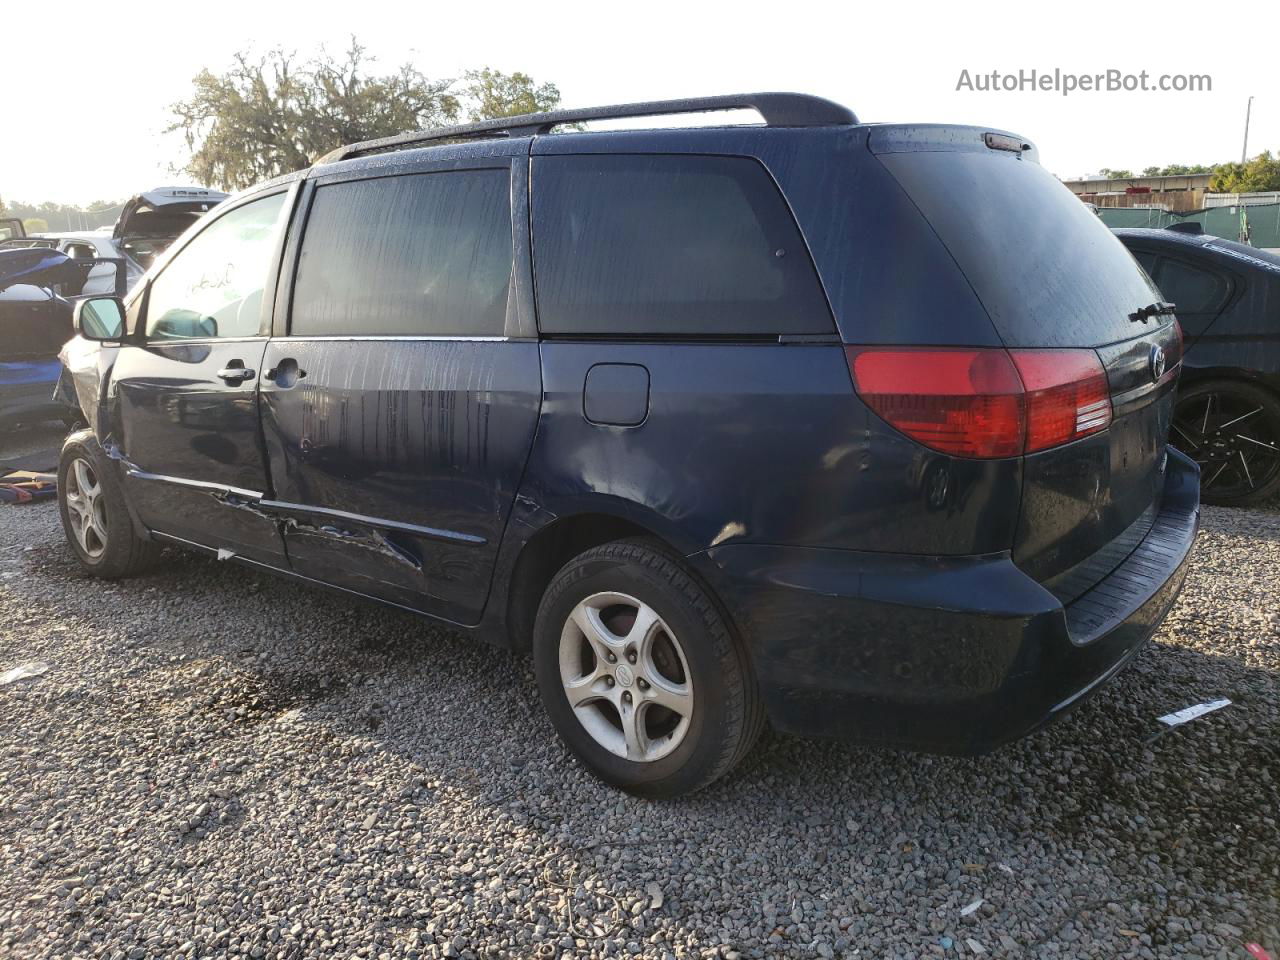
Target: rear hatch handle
1161 309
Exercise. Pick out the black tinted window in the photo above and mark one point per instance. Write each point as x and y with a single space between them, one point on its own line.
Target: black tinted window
420 255
669 245
1146 260
1192 289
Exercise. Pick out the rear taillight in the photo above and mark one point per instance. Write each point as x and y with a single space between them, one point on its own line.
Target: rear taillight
964 402
1067 395
984 402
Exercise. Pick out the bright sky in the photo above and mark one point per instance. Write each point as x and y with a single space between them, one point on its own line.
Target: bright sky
84 121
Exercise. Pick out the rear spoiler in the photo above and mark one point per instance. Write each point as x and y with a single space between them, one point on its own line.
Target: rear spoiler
944 137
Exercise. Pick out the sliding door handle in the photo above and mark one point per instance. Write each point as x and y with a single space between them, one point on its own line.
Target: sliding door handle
286 373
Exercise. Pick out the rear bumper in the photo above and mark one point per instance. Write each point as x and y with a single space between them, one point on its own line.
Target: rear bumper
946 654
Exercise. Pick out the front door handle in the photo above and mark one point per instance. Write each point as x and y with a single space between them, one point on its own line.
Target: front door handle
235 372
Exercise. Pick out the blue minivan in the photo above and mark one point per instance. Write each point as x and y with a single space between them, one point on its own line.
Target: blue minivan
857 429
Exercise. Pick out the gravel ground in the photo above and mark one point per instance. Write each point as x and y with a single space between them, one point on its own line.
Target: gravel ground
221 764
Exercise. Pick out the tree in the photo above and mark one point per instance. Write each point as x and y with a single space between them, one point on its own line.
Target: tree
1176 170
61 216
493 94
276 114
1110 174
35 225
1260 174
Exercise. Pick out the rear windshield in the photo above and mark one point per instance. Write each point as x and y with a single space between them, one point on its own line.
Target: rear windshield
1046 268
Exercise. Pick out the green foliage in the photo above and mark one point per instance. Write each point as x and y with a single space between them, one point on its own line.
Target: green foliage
490 94
1176 170
1260 174
35 225
61 216
277 114
1116 174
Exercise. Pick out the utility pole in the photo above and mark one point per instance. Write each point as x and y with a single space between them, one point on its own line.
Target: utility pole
1244 151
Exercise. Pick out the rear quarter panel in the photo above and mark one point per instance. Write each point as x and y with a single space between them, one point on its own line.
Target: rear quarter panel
762 443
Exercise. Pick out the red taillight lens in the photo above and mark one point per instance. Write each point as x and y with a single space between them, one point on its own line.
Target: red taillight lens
1067 395
964 402
984 402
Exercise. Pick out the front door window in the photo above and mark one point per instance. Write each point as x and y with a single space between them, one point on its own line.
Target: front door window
213 287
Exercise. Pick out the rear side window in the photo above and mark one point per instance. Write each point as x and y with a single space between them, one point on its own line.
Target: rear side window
673 245
1192 289
1146 260
418 255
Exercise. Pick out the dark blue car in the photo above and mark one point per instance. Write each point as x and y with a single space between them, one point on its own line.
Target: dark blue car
1227 416
860 430
35 321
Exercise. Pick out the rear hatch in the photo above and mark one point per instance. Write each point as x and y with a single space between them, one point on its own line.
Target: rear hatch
1051 275
151 221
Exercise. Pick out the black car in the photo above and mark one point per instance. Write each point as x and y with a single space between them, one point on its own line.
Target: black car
1227 297
813 421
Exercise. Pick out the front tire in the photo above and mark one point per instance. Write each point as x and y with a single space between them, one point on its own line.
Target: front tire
640 673
95 518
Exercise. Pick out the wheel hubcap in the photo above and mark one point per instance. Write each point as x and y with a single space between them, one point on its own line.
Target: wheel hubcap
625 675
1236 444
86 508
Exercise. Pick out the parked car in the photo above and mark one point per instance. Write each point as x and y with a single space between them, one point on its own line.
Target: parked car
844 426
35 321
146 226
1227 416
11 229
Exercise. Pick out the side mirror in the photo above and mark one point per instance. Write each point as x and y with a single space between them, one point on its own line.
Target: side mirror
100 318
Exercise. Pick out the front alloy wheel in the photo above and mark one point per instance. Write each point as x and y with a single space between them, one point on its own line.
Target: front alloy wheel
86 508
95 514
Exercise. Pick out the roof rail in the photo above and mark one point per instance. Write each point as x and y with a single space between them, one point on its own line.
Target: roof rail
777 109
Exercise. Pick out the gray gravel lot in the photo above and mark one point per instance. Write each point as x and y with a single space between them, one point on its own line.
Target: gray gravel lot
220 763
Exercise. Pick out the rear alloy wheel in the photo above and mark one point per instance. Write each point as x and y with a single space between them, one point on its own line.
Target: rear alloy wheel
625 674
1232 430
640 672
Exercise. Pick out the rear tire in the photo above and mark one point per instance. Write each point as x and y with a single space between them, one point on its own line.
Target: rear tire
95 517
678 706
1232 429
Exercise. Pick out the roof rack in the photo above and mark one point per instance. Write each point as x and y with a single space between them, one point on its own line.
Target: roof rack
777 109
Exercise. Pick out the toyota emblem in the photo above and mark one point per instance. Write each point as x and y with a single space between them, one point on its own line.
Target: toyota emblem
1156 361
